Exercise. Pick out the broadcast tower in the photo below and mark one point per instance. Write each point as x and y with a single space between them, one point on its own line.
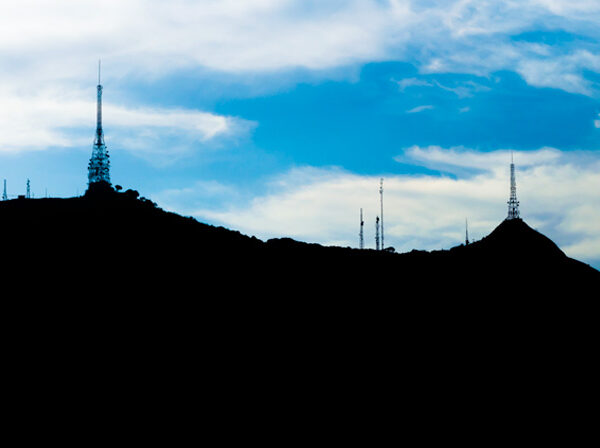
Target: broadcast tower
99 167
513 203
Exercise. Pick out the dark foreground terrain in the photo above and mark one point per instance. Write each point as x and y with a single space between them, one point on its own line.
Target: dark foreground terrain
157 324
118 244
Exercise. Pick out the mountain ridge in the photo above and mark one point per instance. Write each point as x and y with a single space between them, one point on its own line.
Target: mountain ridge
133 234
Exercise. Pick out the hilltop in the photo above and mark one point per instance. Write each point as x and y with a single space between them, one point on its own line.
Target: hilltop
133 243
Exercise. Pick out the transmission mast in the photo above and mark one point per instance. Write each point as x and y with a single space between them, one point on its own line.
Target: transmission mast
4 195
466 232
377 247
381 202
513 203
28 194
361 239
99 166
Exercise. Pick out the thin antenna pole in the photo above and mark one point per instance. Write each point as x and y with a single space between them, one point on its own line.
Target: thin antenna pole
361 240
381 201
4 195
377 247
513 203
466 232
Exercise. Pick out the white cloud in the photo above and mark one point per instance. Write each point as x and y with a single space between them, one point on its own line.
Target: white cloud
405 83
58 40
418 109
39 121
558 193
461 89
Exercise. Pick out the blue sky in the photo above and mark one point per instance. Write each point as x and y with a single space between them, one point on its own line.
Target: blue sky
279 117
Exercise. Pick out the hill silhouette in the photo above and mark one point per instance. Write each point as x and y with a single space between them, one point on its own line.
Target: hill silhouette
132 245
109 299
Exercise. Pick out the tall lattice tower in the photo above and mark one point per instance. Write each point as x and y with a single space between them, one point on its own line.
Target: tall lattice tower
513 203
361 235
99 166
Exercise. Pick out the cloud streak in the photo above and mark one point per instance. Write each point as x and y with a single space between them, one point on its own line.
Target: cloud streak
416 110
42 121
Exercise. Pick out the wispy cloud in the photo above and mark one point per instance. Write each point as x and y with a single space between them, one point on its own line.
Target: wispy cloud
418 109
557 190
462 89
43 40
42 121
405 83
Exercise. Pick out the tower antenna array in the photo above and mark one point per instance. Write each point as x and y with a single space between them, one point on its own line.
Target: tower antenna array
513 203
28 194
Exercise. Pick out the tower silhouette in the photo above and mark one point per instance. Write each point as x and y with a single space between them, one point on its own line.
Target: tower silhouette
377 241
513 203
99 166
361 238
381 204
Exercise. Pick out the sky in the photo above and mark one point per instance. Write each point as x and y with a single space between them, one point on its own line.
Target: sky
278 118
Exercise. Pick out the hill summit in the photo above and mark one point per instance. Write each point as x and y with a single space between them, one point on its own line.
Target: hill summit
121 239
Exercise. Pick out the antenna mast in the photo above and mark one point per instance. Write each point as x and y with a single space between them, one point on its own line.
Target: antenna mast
99 166
361 240
513 203
28 194
381 201
377 233
466 232
4 195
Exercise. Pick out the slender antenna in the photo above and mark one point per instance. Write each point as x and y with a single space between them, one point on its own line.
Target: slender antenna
377 247
361 240
4 195
381 200
466 232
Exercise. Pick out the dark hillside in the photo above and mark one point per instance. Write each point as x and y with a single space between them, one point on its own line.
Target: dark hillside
116 301
136 246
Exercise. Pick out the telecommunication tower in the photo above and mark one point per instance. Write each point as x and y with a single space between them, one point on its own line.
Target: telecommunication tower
466 232
381 202
4 195
99 166
377 247
28 194
513 203
361 239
